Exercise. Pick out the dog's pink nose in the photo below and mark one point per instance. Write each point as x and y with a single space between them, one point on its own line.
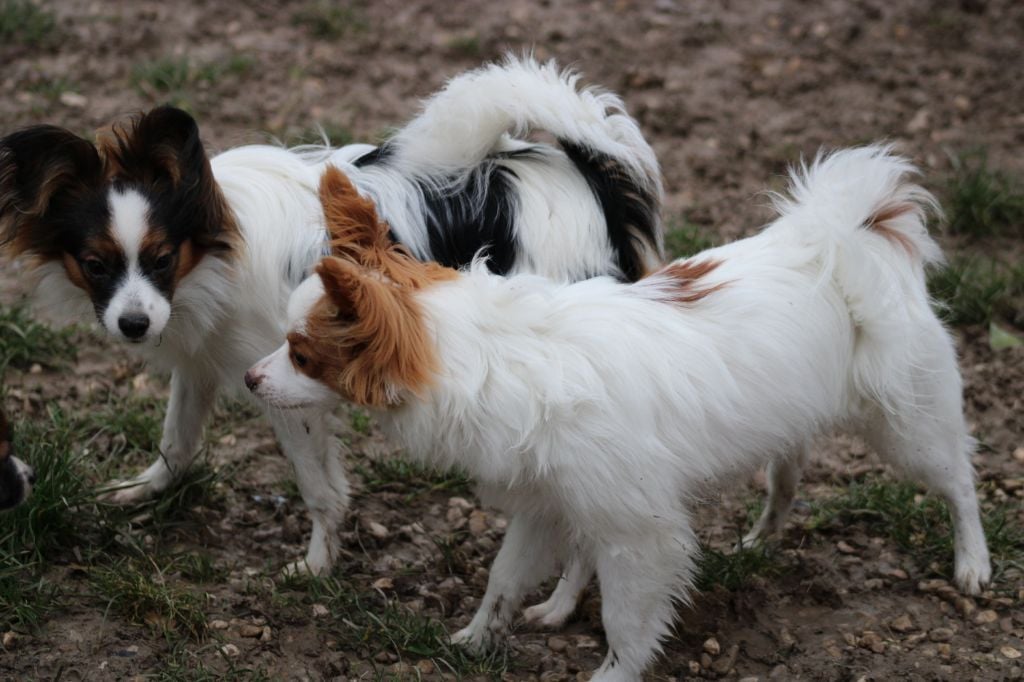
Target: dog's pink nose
252 380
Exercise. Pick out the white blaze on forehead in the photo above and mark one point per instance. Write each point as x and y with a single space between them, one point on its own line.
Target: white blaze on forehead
129 217
302 301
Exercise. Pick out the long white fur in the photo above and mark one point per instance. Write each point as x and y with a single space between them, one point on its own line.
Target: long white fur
226 316
593 413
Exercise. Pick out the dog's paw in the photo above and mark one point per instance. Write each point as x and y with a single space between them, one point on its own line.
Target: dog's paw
302 568
127 493
473 639
973 577
550 614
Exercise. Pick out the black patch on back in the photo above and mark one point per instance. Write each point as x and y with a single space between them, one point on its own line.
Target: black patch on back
379 155
630 212
479 214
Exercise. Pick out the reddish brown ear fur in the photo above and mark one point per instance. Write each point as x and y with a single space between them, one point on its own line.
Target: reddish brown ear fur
366 337
358 233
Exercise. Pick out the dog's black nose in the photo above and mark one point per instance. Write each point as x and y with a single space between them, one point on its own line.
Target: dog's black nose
133 325
252 380
31 477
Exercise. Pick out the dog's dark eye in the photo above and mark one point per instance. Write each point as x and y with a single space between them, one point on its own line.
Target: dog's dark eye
163 262
94 267
299 359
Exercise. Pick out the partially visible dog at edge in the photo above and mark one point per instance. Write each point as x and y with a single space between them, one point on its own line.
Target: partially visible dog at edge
192 259
594 414
16 477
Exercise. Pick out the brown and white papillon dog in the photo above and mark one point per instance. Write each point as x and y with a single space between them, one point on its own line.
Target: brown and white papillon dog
16 477
193 259
596 413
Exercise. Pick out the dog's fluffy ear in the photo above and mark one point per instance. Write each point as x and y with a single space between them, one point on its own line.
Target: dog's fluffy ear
343 283
42 168
355 228
162 150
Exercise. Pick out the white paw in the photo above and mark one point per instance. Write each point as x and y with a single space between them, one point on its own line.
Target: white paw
973 577
302 567
550 614
473 639
126 493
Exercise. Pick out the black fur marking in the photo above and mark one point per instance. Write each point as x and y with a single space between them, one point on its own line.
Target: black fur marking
12 486
480 214
630 211
379 155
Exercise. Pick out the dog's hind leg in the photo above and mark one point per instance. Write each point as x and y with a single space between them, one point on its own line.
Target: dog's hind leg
191 400
526 557
560 605
783 477
640 584
927 442
320 474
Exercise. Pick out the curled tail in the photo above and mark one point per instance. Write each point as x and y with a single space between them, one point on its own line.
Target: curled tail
860 208
471 119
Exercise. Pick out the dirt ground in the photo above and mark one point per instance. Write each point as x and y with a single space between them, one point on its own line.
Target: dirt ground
728 93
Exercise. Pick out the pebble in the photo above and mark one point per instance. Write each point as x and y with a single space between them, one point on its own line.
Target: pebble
218 624
845 548
230 650
752 678
872 641
1009 652
986 616
250 631
586 642
478 522
902 623
693 667
558 644
425 666
375 528
723 665
1018 454
705 660
940 634
384 583
320 611
10 640
965 606
73 99
266 634
712 646
779 672
945 650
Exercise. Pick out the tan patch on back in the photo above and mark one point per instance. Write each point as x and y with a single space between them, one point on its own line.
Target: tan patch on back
879 223
685 277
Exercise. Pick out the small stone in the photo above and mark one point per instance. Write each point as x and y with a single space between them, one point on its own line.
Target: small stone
586 642
705 660
460 503
895 573
940 634
919 121
320 611
752 678
1018 454
228 440
36 368
218 624
945 650
965 606
478 522
874 584
712 646
10 640
230 650
1009 652
376 529
74 100
454 515
723 665
902 623
267 634
779 672
425 666
786 639
384 583
558 644
871 641
250 631
693 667
845 548
936 585
986 616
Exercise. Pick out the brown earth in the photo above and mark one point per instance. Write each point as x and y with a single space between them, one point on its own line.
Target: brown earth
728 93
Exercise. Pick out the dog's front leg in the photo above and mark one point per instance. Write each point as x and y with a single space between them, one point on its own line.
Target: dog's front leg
320 474
525 559
191 400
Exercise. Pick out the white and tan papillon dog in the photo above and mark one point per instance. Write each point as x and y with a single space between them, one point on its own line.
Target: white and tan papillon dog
595 413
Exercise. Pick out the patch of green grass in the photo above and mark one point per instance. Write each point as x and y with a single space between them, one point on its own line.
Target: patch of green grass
400 475
734 570
24 341
368 624
454 560
175 78
981 201
360 421
141 593
974 290
918 524
24 22
51 88
184 662
329 19
683 239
